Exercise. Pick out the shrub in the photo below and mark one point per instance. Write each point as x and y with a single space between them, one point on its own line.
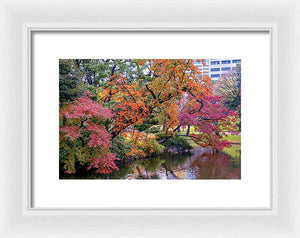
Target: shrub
120 147
153 129
142 144
178 143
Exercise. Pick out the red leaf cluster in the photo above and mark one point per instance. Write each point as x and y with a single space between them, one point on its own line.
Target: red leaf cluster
83 122
84 107
99 136
72 132
104 164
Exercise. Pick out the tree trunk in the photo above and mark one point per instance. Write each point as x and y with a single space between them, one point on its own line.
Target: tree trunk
188 130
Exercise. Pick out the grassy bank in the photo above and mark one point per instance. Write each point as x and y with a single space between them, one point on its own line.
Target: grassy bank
233 138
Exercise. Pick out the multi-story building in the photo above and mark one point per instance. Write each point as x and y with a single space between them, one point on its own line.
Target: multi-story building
216 68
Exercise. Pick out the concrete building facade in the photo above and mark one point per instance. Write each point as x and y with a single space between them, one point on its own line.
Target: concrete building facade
216 68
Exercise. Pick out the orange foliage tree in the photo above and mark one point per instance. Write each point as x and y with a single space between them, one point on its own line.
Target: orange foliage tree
154 96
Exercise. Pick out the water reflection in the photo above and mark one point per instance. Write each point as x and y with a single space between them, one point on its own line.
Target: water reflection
200 164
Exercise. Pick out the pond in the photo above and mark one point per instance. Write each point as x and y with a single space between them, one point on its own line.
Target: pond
201 163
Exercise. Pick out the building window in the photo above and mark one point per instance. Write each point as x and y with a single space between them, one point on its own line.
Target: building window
214 69
215 75
225 68
214 62
225 61
236 61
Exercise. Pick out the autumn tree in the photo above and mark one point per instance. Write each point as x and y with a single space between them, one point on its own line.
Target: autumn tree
159 95
210 119
84 139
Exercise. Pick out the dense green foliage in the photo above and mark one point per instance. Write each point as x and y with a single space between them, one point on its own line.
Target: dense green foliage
70 86
177 143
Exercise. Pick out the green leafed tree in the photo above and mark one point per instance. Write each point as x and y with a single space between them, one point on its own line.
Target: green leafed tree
229 87
97 72
70 83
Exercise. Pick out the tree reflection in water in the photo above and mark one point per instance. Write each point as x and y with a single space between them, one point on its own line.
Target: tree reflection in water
201 164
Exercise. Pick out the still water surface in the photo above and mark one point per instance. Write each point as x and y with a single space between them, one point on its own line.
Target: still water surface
201 163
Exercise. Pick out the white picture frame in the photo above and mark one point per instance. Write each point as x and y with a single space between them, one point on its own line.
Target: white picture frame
20 18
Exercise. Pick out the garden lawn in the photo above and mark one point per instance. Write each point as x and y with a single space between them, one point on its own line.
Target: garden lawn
235 150
233 138
188 138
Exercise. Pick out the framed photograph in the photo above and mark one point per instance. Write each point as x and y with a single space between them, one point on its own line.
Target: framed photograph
151 116
150 119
